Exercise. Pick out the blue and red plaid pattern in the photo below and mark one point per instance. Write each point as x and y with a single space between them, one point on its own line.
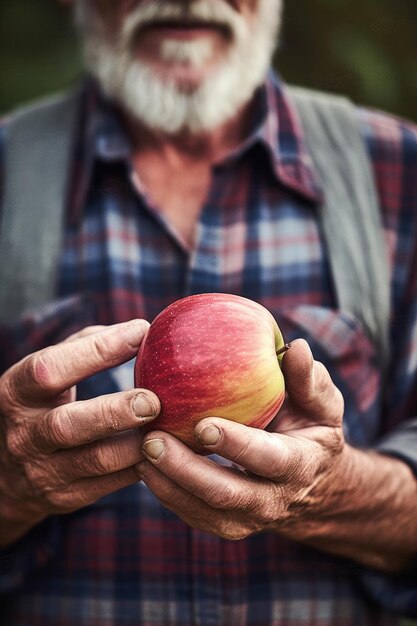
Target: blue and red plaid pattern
126 560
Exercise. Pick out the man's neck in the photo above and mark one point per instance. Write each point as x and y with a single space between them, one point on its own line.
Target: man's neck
176 170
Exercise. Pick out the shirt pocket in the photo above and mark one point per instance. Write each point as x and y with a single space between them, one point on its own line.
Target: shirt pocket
338 340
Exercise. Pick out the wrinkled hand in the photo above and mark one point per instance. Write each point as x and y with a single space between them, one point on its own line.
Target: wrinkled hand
57 454
282 477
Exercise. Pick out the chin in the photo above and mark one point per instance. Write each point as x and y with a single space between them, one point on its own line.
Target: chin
173 81
197 101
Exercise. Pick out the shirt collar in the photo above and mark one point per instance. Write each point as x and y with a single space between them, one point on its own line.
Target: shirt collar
276 127
100 137
280 130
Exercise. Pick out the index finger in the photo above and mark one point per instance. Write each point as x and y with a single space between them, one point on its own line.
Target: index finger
53 370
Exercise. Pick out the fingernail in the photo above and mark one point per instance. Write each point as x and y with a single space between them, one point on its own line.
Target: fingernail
209 435
153 448
144 407
133 333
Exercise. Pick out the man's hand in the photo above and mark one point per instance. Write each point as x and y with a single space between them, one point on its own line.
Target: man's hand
56 454
301 479
276 471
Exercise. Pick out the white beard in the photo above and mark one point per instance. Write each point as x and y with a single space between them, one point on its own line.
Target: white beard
164 105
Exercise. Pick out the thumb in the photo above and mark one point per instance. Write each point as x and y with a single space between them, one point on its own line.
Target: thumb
309 385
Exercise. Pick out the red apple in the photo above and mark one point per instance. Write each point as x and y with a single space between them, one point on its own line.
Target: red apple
212 354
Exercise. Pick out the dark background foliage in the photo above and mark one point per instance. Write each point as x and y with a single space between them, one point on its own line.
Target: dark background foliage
364 48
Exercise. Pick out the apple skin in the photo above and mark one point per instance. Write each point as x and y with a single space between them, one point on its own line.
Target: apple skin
212 354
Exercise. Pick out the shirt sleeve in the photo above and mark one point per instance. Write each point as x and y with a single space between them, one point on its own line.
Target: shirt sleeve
392 145
397 593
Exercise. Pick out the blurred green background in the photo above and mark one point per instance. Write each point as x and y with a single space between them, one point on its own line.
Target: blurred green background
364 48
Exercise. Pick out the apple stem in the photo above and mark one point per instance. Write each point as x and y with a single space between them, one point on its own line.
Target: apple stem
284 348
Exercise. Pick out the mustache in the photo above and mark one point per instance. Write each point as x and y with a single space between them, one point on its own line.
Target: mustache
216 13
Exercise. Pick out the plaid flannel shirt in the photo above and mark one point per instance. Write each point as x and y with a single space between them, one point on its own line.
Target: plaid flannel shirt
125 559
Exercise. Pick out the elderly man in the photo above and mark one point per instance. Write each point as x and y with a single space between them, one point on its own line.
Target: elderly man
189 172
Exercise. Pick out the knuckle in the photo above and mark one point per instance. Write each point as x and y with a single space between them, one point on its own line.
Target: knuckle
110 415
39 371
55 427
242 451
98 460
227 497
102 349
